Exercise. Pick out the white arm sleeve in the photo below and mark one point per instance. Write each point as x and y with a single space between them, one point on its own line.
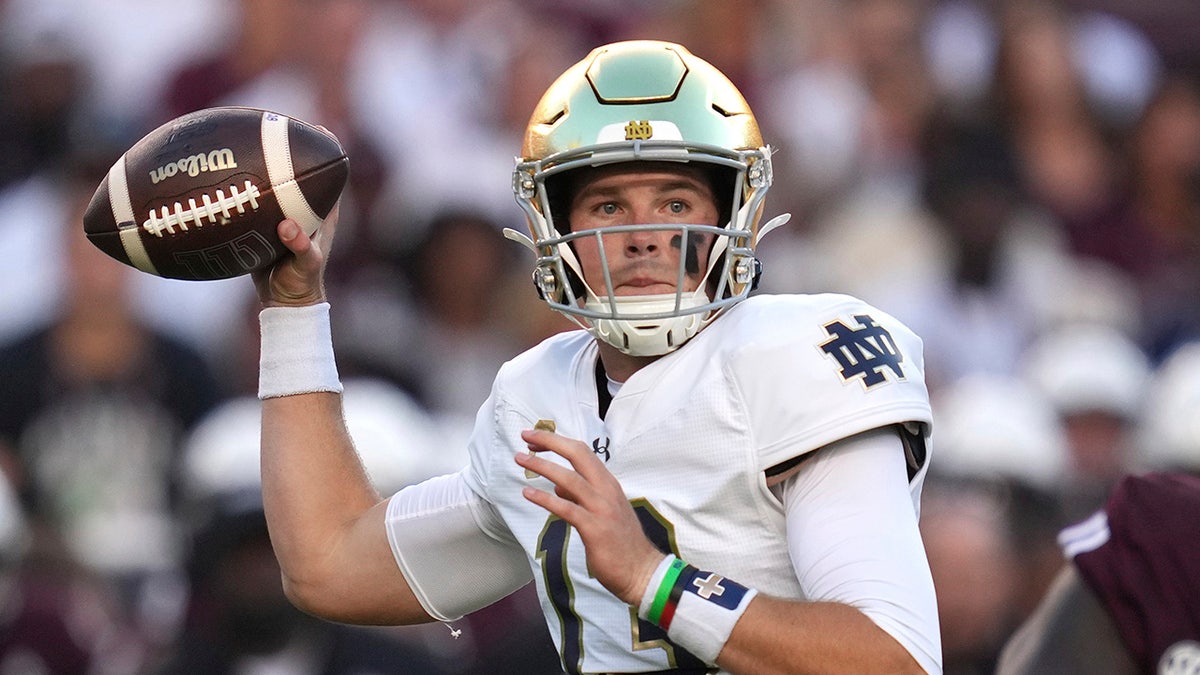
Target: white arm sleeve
852 532
454 551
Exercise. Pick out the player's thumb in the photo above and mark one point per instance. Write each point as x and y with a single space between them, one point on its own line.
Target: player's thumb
290 234
295 279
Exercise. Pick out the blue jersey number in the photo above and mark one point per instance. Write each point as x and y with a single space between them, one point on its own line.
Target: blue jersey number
552 551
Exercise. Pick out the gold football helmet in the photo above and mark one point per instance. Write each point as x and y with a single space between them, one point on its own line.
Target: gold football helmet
643 101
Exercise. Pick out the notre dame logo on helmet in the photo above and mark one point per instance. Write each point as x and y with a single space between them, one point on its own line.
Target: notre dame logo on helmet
864 352
639 130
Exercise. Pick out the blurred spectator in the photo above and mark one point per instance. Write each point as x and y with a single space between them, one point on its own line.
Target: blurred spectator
43 80
1000 432
122 50
237 616
848 110
973 558
32 275
457 273
239 619
1043 108
961 43
450 321
1170 439
1153 230
92 406
441 85
1004 253
1095 378
56 618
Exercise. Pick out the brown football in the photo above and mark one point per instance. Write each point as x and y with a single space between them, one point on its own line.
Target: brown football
201 196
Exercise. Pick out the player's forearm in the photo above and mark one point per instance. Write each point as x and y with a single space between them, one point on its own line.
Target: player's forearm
783 636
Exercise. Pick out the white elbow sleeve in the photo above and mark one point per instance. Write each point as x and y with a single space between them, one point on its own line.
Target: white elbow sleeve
452 549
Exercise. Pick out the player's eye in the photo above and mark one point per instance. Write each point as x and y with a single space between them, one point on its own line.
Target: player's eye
676 206
608 208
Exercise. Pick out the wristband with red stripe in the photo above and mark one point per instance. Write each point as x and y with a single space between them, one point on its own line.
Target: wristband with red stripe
697 609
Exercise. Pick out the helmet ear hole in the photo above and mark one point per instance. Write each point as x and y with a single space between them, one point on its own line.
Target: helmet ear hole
722 179
577 287
560 191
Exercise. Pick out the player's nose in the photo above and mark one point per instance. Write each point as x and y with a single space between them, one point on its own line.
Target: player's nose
643 242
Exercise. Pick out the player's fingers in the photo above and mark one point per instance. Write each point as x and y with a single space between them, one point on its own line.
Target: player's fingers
308 253
563 508
296 279
568 483
577 453
293 237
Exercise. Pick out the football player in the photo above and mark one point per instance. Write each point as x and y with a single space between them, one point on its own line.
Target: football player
1128 599
697 481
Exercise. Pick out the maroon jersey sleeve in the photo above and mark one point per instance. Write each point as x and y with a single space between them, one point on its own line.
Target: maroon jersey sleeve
1140 555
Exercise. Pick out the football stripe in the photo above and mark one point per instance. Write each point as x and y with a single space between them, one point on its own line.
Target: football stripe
127 225
278 156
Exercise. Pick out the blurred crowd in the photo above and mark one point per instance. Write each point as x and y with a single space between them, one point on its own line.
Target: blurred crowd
1017 180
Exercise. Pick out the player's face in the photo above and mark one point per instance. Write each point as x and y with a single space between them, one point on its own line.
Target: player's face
643 262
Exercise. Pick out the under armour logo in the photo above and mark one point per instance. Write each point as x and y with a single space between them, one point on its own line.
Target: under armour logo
638 130
863 352
709 586
600 450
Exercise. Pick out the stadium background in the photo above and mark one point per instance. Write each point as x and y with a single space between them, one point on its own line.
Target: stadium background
1017 180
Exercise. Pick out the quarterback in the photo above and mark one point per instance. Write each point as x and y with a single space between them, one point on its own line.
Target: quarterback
696 481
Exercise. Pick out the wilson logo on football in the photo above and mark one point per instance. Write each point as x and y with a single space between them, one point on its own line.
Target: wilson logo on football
217 160
217 210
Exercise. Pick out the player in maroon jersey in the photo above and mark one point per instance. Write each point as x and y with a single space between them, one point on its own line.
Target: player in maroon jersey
1129 601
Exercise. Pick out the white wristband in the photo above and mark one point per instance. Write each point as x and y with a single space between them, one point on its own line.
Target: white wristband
297 352
697 609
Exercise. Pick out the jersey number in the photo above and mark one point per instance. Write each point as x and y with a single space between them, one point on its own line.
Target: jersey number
552 550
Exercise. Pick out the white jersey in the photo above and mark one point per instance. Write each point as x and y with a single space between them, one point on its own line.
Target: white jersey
689 437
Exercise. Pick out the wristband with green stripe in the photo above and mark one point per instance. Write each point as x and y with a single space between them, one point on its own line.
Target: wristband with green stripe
662 596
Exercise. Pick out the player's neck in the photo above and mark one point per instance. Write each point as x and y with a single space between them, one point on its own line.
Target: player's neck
620 366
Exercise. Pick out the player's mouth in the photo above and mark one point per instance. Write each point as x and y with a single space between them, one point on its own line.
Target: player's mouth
645 285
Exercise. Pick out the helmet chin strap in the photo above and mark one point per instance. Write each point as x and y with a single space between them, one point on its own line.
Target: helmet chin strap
650 337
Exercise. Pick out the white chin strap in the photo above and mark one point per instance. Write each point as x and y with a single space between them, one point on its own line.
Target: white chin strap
648 337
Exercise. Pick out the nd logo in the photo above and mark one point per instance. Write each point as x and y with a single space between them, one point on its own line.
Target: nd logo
638 130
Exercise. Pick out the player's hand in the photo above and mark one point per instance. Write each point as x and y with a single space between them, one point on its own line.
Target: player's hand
298 279
588 496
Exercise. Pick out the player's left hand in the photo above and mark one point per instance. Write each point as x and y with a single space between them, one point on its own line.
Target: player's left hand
588 496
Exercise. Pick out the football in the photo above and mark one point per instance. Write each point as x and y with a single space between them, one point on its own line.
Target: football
200 197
